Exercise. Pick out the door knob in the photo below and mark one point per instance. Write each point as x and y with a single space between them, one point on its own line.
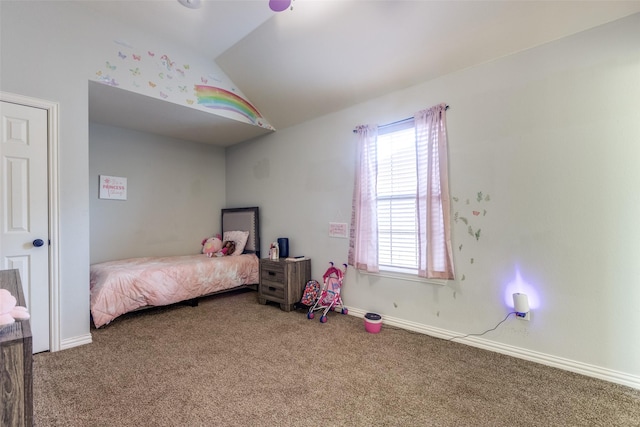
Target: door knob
38 242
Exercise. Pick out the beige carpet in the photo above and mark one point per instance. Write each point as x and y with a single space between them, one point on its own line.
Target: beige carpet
233 362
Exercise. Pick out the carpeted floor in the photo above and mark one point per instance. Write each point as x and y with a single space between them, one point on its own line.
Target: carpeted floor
233 362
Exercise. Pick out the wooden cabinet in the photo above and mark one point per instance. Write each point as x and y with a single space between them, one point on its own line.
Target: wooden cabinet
283 281
16 361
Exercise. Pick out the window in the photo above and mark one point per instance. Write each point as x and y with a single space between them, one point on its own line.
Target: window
396 197
400 218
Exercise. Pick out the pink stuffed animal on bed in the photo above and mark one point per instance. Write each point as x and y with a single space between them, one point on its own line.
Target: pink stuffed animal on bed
211 245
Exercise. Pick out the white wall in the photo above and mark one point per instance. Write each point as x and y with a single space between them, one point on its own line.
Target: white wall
175 192
550 135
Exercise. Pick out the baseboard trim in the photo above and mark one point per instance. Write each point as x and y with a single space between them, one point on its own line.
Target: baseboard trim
75 341
509 350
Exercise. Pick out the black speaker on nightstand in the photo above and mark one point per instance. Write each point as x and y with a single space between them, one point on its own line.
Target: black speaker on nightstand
283 245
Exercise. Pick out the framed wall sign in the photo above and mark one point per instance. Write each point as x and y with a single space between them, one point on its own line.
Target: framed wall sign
338 229
113 187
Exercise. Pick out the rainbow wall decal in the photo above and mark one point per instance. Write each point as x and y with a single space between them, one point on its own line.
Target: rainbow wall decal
217 98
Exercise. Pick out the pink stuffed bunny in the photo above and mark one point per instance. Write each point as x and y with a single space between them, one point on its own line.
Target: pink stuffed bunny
211 245
8 309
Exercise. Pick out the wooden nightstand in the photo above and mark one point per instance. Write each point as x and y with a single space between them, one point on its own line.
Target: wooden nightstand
283 281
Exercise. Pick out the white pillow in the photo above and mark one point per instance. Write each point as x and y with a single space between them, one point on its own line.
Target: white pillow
239 238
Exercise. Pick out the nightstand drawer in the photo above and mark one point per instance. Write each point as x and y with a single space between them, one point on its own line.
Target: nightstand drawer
272 290
272 273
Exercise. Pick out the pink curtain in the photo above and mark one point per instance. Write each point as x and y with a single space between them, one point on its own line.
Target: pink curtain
435 255
363 236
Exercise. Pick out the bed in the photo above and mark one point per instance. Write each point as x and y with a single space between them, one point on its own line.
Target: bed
122 286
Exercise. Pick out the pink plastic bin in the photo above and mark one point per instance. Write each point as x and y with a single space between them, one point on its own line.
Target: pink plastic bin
372 323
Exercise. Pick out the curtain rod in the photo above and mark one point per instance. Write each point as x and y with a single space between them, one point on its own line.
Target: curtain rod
400 121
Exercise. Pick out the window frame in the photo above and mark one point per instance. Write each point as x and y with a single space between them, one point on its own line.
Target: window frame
435 260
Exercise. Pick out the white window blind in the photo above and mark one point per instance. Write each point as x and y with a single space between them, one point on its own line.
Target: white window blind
396 197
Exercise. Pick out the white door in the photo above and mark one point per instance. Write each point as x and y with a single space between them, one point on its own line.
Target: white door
24 233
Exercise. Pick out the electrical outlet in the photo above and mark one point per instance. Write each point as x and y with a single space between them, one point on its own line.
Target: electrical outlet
524 316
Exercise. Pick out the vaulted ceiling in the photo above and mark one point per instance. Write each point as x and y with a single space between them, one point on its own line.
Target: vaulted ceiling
322 56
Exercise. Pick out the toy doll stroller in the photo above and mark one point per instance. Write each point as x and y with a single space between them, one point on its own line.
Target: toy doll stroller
329 298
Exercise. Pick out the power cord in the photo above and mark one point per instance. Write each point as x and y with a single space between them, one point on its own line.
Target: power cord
387 327
488 330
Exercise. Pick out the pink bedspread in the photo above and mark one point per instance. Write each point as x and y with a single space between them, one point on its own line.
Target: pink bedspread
118 287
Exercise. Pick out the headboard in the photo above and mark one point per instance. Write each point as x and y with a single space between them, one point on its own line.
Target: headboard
244 219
